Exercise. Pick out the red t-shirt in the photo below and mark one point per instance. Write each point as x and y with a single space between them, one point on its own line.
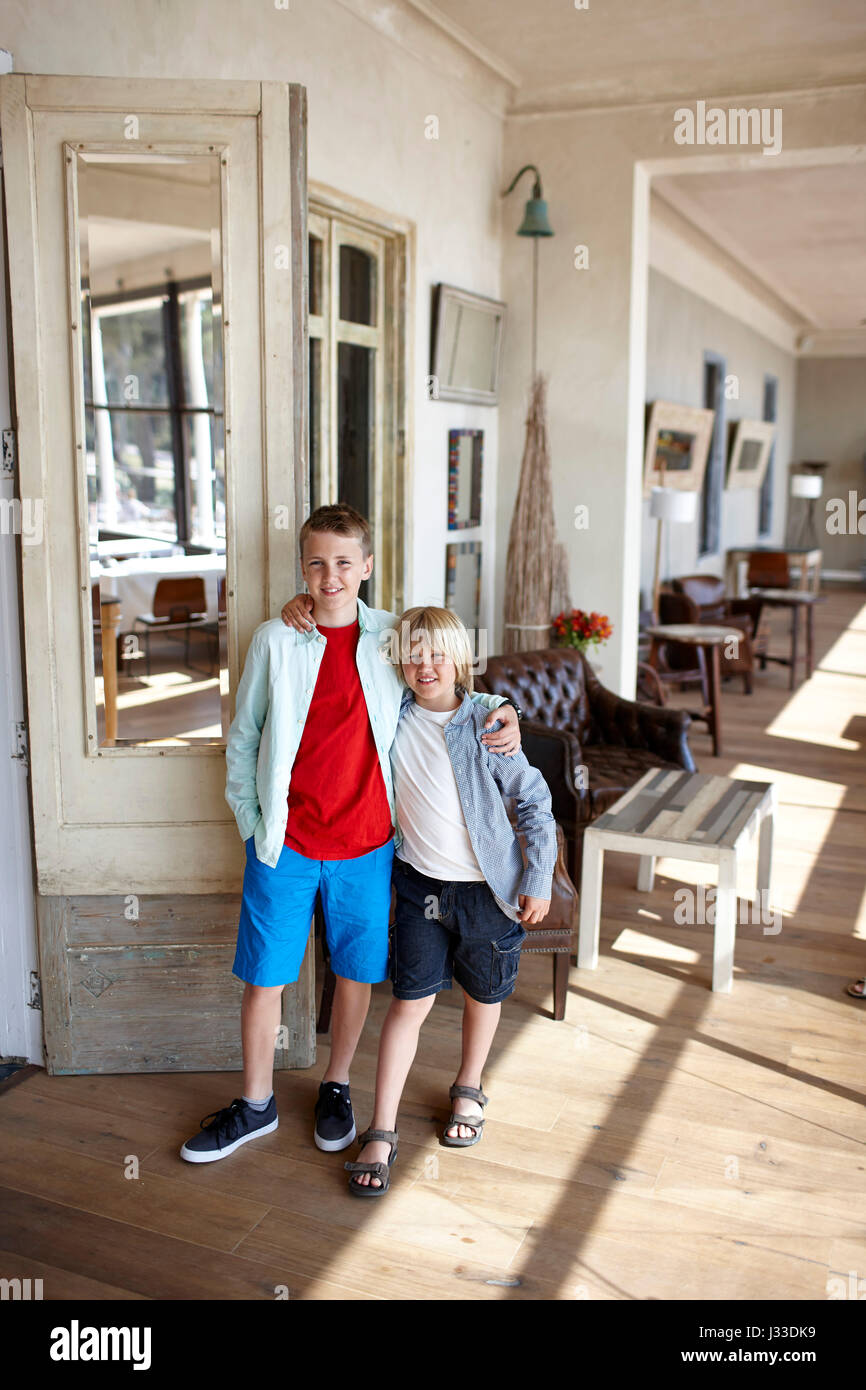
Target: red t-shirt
338 806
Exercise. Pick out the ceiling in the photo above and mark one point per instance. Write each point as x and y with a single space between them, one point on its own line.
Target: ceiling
622 51
802 231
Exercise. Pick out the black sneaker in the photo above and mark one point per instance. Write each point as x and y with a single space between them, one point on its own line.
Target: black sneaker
335 1122
225 1130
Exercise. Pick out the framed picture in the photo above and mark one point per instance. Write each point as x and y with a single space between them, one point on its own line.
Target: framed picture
750 452
463 580
466 346
677 444
465 448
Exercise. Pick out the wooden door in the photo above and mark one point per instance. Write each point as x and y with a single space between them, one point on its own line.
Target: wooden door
157 254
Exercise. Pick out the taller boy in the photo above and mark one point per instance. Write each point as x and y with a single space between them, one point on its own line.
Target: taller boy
315 719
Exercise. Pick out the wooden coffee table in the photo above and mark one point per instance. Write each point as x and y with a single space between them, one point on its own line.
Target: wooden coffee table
682 815
709 639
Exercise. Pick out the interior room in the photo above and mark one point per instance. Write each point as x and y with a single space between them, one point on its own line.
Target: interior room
568 307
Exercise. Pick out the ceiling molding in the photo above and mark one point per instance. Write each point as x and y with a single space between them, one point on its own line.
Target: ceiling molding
527 112
814 343
466 40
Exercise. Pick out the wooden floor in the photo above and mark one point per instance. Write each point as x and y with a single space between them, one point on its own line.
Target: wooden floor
661 1143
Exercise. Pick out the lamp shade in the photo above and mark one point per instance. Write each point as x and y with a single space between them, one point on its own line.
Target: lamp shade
535 221
806 485
673 504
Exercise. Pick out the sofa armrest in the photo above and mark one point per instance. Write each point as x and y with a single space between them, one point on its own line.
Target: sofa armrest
634 725
557 755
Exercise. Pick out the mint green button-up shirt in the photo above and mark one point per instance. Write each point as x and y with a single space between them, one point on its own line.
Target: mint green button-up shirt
273 699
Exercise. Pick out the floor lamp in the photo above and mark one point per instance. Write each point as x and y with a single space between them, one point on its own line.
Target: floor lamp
809 486
668 504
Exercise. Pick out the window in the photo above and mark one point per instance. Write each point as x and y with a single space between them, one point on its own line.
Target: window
714 475
357 381
154 417
765 512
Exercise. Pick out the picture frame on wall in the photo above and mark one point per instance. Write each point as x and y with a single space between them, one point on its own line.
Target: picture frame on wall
466 348
751 442
677 446
463 581
465 462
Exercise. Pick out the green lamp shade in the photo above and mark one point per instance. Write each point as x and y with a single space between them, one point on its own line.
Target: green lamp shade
535 221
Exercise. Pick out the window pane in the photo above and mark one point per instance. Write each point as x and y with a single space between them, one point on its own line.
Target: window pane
315 422
133 350
315 255
355 373
357 286
201 349
130 471
205 448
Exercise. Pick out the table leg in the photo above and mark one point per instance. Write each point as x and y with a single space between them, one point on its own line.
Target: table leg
765 864
715 706
590 902
726 923
646 873
795 631
810 640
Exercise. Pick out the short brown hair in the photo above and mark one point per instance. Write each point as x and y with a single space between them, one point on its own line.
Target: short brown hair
341 519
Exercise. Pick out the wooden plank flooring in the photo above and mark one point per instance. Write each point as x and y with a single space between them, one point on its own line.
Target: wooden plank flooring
660 1143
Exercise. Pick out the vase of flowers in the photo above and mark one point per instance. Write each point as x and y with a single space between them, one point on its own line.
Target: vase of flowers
581 630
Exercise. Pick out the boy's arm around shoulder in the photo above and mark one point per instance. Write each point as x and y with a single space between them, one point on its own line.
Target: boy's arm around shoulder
516 777
242 745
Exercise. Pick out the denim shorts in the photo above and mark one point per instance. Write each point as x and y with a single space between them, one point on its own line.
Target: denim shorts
443 928
277 908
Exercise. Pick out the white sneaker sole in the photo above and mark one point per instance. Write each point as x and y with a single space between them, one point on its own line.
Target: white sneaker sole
331 1146
211 1155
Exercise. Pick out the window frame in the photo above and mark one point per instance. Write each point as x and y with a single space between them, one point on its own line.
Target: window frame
337 220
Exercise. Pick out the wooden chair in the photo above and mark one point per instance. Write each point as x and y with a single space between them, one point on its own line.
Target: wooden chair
711 605
768 569
179 605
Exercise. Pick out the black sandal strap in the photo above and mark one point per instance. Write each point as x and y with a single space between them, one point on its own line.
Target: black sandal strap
468 1093
385 1136
378 1170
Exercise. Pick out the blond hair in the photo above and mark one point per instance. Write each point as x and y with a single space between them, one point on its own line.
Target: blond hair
445 633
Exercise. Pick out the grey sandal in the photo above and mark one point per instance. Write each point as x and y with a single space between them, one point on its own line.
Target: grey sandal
379 1170
475 1122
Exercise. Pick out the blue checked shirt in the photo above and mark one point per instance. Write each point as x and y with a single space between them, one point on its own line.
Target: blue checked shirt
273 700
483 779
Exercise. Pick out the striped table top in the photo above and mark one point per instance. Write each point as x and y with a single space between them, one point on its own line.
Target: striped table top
686 808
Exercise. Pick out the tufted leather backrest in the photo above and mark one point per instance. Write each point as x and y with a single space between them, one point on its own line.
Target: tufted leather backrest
707 591
549 685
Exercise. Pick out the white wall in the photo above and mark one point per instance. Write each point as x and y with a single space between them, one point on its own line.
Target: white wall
597 167
680 327
830 425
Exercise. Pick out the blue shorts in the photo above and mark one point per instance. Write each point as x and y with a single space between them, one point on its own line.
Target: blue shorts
277 908
443 929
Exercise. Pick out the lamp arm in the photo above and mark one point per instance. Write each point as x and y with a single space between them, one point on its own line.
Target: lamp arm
536 192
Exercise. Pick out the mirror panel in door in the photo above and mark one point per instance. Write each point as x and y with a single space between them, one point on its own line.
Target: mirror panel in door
152 373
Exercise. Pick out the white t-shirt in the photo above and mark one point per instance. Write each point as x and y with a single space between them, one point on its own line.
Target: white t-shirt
435 839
